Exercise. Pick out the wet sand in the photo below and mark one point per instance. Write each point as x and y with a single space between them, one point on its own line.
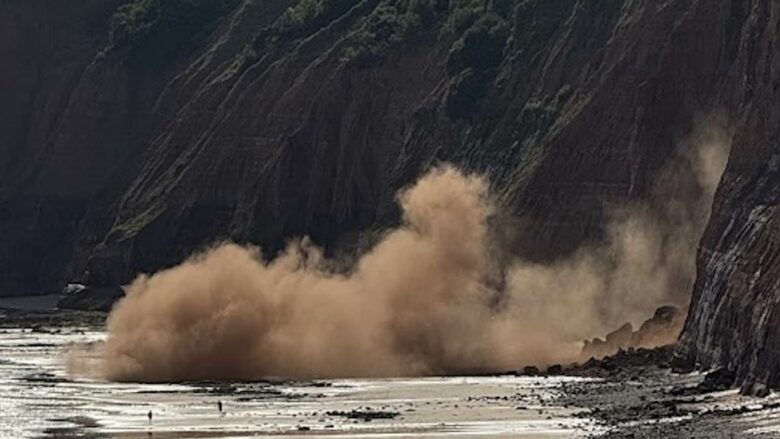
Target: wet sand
40 399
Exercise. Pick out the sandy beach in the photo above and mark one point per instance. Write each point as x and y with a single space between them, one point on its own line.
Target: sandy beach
630 397
38 398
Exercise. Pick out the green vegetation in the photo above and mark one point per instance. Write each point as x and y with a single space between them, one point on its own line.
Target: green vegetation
391 23
480 48
538 115
536 21
463 13
480 33
474 58
150 33
486 30
307 16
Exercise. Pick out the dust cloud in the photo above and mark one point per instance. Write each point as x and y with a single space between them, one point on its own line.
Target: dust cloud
424 300
647 260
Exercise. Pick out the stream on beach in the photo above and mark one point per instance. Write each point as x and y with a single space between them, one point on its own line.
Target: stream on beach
38 398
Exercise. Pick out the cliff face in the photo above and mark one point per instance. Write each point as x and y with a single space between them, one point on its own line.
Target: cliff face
734 320
126 146
45 50
273 127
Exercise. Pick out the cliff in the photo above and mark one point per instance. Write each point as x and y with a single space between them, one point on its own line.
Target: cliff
734 319
278 126
139 132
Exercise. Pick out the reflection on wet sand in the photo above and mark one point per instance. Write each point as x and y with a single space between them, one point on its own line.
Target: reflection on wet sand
39 399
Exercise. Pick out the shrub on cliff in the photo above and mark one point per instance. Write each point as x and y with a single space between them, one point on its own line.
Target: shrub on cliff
481 47
389 24
152 32
309 15
473 62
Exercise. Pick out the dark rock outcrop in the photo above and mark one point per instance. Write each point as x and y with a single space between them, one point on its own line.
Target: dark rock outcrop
91 299
734 318
661 329
625 363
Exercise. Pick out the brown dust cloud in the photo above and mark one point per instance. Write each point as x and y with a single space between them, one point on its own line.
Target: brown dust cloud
423 300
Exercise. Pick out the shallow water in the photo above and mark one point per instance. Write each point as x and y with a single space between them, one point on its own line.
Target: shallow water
39 399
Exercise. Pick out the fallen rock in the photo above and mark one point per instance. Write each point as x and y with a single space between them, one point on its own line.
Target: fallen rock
555 369
91 298
624 360
717 380
659 330
364 415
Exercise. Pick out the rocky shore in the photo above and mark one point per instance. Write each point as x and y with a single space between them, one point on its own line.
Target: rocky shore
637 395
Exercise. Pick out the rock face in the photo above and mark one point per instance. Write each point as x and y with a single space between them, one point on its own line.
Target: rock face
131 141
45 51
273 127
734 319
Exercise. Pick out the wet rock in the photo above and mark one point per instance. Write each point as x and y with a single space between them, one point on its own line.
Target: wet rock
624 363
755 389
91 298
82 421
364 415
44 378
717 380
